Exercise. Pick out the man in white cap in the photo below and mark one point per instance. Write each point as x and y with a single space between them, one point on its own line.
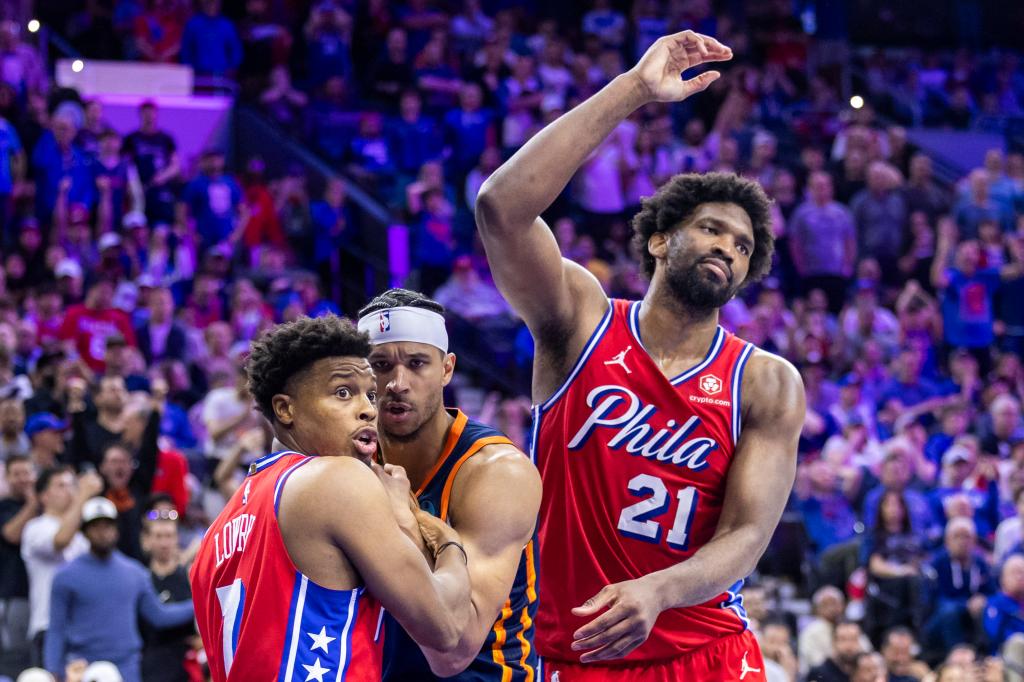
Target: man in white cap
109 592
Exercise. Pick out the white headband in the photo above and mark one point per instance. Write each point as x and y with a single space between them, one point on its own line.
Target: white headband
406 324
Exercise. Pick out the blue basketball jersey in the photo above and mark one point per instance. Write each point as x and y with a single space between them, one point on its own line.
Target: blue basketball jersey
508 654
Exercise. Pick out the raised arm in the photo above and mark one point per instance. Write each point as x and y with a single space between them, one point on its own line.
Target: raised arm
554 296
760 479
343 497
495 528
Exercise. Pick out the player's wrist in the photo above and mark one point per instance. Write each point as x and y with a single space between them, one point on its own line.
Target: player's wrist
636 91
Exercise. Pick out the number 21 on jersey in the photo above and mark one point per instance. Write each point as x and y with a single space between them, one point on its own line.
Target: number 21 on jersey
637 520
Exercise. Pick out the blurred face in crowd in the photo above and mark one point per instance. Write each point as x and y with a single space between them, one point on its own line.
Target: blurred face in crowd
102 535
100 295
897 652
21 478
30 238
147 117
160 539
820 188
920 169
960 539
846 644
1011 580
110 145
756 602
829 604
411 106
978 183
397 42
59 492
1005 413
12 418
893 512
112 394
218 338
64 130
470 97
774 640
967 257
49 440
116 467
161 306
410 384
705 259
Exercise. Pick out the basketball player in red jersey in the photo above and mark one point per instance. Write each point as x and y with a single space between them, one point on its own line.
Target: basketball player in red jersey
667 446
289 582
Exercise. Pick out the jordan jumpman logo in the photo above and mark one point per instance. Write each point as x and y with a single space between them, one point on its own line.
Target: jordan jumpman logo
620 359
746 668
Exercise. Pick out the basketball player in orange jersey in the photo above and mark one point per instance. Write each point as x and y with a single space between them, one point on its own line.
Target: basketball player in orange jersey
666 445
467 474
290 581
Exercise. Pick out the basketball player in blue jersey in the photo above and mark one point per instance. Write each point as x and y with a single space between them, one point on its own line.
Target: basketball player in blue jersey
467 474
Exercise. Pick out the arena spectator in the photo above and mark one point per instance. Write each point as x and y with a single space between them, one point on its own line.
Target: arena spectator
17 508
213 198
961 585
51 540
155 154
1004 613
163 654
847 648
161 337
823 242
13 440
45 432
814 643
898 649
210 42
99 599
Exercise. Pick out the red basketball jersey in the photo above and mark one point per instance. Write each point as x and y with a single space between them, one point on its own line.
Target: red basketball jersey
634 468
259 617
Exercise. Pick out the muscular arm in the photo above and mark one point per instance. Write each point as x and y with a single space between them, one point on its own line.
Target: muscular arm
552 295
343 497
759 481
495 527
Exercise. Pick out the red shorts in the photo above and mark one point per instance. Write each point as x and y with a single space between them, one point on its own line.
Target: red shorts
736 657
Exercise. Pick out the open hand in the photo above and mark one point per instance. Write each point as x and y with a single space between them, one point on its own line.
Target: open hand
660 69
630 610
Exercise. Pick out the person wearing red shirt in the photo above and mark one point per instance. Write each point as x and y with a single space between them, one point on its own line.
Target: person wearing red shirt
87 325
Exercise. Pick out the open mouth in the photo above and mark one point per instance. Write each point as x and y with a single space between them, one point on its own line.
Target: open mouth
397 410
366 442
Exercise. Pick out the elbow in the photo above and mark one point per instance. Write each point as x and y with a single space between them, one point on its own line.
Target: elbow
487 208
446 636
451 660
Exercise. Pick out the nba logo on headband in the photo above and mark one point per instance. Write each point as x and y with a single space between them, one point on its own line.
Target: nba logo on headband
385 321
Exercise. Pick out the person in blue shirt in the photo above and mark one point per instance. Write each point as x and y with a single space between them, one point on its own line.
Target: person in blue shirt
57 158
968 291
210 43
895 475
1004 613
960 583
12 170
213 198
98 598
908 386
328 43
953 422
828 515
468 130
415 137
958 493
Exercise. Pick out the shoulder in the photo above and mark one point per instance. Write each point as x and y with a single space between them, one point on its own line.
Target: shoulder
323 481
502 464
768 374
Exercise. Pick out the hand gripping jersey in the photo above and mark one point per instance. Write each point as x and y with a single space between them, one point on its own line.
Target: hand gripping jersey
508 654
634 468
259 617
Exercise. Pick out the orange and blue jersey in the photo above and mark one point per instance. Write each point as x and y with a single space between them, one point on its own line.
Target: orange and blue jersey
508 654
260 618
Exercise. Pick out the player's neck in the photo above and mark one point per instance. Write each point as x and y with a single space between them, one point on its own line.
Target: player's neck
418 455
671 329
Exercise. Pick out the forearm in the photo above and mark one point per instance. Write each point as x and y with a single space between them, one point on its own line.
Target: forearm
13 528
716 567
525 185
69 524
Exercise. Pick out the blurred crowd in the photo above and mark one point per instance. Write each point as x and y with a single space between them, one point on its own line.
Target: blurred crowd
133 280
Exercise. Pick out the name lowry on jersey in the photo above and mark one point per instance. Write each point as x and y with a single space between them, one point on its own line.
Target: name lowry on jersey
232 537
619 410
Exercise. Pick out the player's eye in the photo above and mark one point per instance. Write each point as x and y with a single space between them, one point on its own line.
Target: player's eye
379 366
416 364
744 249
372 396
343 393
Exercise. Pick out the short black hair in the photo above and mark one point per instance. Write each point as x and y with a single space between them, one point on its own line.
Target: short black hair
287 349
15 459
679 198
398 298
43 482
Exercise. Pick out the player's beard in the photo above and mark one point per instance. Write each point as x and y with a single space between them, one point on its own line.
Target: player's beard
695 289
409 432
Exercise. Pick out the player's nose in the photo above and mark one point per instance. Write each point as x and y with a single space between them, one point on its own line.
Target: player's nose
399 381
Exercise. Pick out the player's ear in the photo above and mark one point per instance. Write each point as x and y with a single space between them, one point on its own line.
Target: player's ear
448 365
282 405
657 245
